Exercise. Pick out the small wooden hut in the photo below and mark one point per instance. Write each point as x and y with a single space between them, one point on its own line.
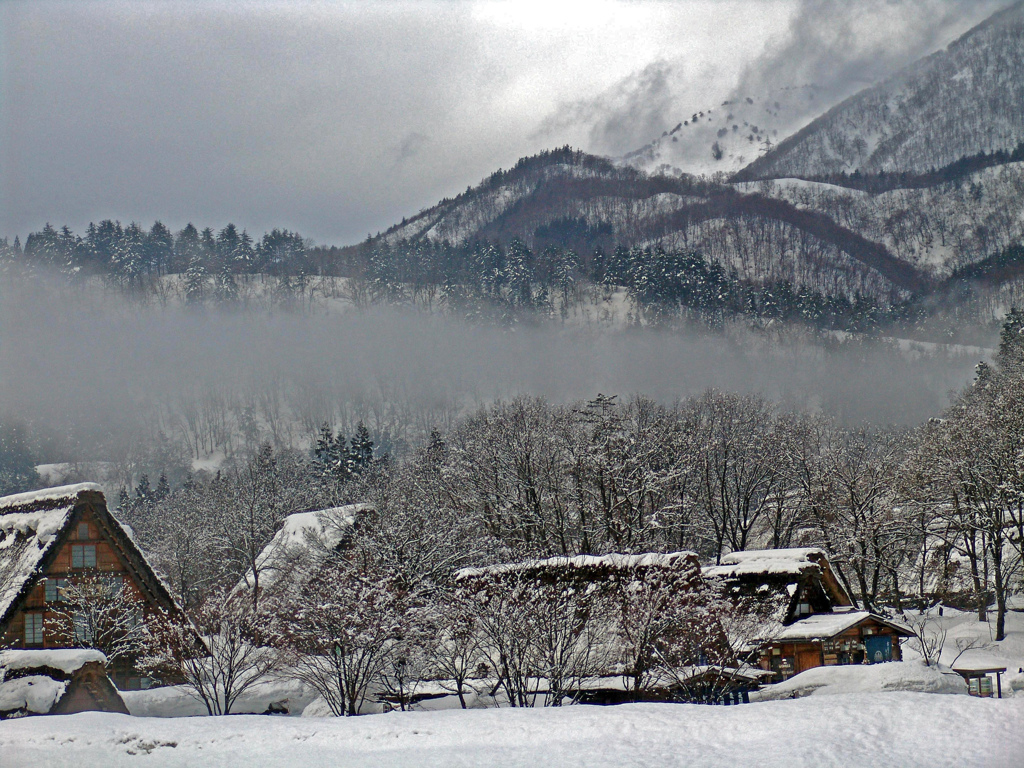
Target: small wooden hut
805 617
56 682
830 639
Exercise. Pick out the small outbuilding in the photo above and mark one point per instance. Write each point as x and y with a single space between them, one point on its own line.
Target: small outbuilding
979 682
830 639
56 682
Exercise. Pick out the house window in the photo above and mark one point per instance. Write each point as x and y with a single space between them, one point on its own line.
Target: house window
803 609
33 629
55 590
83 555
83 629
114 583
83 531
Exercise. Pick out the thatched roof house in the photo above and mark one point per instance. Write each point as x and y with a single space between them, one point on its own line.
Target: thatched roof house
296 553
803 618
53 538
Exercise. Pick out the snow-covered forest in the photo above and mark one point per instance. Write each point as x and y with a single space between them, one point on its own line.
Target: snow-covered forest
909 516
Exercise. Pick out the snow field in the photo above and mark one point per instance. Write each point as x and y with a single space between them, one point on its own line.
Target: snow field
896 729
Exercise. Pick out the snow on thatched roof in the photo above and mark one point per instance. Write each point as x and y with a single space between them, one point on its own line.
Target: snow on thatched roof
587 563
768 562
826 625
67 660
293 544
29 527
47 498
34 694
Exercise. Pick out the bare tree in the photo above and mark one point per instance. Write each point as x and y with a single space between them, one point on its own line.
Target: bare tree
218 652
343 634
458 650
100 611
743 467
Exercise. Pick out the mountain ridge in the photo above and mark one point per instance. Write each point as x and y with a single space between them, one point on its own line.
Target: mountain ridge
915 121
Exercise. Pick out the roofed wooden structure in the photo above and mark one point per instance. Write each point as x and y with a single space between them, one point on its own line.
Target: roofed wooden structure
56 682
806 617
51 537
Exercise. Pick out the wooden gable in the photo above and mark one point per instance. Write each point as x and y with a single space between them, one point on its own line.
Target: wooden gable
89 541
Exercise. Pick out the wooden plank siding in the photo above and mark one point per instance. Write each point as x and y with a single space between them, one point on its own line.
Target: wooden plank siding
104 553
791 658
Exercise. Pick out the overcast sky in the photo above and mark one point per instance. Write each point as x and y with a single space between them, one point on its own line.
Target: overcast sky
337 119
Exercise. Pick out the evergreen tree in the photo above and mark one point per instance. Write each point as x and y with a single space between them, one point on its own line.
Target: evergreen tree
163 488
159 248
143 493
362 447
187 246
195 281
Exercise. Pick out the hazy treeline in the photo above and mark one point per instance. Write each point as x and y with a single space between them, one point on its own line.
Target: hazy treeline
115 389
483 280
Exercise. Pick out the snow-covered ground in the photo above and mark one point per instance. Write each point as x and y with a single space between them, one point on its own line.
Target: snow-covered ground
963 630
175 701
857 678
897 729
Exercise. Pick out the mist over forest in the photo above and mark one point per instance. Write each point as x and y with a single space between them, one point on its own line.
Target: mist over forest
93 377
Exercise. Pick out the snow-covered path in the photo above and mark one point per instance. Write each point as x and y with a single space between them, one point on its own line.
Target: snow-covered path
895 729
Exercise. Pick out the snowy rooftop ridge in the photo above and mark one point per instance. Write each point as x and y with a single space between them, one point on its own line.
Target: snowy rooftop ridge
67 660
325 527
826 625
47 498
25 538
614 561
767 562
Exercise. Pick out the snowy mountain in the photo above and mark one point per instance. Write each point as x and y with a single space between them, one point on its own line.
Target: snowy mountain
939 185
727 137
571 199
964 100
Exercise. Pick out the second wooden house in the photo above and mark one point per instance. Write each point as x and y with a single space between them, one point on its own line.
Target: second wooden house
804 617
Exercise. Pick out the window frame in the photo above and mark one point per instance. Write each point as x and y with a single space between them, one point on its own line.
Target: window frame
34 622
82 629
80 550
56 587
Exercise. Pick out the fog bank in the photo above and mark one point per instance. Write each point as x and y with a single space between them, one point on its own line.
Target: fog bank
93 372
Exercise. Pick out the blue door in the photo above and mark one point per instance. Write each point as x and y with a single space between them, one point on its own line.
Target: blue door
879 648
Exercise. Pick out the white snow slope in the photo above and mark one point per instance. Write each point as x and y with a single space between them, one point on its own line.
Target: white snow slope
897 729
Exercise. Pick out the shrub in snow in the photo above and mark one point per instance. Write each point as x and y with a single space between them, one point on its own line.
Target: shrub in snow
98 611
350 630
232 657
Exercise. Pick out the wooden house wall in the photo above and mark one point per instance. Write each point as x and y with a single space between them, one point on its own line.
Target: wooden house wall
108 561
808 654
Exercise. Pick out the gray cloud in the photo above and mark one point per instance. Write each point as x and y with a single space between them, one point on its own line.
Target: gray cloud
411 146
626 115
842 47
309 116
